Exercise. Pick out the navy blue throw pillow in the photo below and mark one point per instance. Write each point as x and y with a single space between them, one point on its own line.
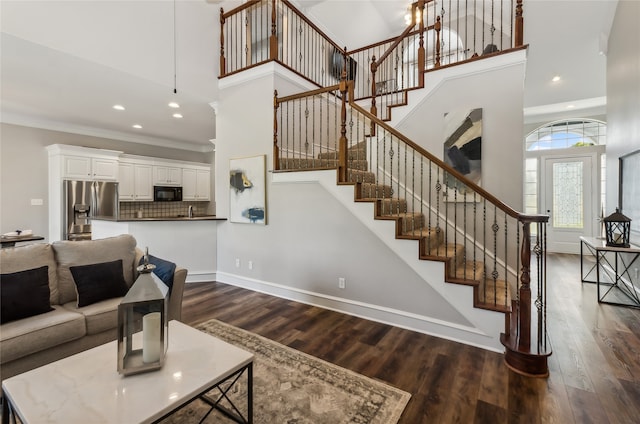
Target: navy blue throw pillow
24 294
164 270
98 282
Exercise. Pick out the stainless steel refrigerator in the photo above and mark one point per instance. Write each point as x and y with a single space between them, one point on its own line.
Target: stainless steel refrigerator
84 200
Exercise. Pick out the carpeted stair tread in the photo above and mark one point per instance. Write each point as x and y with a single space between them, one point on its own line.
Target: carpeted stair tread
307 163
358 154
407 221
470 271
391 206
314 163
375 191
494 295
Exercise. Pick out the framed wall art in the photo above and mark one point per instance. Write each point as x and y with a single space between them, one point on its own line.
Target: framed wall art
247 190
463 150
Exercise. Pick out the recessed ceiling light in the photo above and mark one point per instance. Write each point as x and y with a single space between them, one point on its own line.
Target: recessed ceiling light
177 115
118 107
556 78
174 105
570 106
137 126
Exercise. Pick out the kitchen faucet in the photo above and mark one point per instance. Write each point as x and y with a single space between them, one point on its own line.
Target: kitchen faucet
190 211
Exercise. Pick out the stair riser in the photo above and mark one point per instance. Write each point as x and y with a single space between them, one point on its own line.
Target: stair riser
361 176
411 223
372 191
392 206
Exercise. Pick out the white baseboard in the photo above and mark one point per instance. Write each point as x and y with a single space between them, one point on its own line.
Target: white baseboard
201 277
419 323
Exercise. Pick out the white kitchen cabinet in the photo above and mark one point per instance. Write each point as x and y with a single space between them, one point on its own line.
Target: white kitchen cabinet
88 168
126 186
135 182
196 184
167 175
143 182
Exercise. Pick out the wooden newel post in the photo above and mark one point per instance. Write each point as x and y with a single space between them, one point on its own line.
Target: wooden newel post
421 52
273 40
519 30
437 27
342 144
223 67
374 109
524 293
276 151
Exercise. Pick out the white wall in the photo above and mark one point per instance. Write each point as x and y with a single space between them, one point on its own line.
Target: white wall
495 85
24 163
623 92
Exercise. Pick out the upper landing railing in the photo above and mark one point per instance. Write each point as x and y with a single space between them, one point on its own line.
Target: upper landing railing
440 33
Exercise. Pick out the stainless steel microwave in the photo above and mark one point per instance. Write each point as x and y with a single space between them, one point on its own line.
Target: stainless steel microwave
167 194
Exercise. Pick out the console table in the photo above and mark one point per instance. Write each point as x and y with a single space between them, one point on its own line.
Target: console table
615 271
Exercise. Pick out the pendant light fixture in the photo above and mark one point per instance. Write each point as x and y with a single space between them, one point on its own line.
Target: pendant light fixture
175 66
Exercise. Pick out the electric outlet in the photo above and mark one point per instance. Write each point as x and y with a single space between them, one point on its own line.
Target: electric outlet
36 202
237 262
341 283
250 264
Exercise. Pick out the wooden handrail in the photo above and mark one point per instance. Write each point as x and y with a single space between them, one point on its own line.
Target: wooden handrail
440 163
395 44
312 25
308 93
240 8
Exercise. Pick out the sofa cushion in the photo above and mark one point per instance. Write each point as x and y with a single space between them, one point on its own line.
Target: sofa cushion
29 257
26 336
96 282
100 316
74 253
24 294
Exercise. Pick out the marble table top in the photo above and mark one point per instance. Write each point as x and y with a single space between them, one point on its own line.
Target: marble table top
88 388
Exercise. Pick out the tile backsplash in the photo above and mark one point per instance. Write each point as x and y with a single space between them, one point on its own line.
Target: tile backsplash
162 209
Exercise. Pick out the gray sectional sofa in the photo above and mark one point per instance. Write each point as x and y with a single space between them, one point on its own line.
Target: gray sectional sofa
67 329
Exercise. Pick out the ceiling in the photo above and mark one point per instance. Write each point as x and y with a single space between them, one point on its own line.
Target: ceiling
64 64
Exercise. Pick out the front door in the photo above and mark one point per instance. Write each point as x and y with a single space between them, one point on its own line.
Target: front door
569 191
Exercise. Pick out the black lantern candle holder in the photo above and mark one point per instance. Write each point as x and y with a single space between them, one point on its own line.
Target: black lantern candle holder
618 229
143 334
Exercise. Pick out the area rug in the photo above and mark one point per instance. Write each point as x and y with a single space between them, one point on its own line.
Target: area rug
291 387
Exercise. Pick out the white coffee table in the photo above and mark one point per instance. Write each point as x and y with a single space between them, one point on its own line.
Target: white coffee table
86 388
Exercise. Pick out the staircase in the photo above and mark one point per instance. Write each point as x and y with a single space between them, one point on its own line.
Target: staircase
432 245
481 242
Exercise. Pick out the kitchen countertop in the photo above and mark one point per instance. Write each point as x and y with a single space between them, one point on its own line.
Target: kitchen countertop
163 218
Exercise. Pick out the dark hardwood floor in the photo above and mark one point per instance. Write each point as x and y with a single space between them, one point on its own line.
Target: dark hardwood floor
594 368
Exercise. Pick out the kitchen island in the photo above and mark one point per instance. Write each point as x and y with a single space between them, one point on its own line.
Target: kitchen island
191 242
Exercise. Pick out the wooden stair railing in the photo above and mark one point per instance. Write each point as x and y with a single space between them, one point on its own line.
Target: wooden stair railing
483 242
398 65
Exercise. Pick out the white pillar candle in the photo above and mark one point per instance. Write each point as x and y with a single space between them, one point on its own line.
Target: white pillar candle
151 337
